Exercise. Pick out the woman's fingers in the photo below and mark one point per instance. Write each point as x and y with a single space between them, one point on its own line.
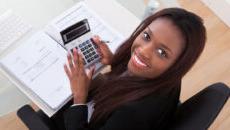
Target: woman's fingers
103 47
75 62
67 71
70 62
75 56
90 72
96 39
80 62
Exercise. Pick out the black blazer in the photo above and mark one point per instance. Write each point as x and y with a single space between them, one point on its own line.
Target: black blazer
149 113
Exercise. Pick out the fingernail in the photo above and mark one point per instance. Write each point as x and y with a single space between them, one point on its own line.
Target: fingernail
87 71
94 37
75 50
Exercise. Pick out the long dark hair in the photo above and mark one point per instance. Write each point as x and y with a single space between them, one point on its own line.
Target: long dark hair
118 91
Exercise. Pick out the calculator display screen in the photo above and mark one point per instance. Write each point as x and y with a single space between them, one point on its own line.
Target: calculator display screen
75 31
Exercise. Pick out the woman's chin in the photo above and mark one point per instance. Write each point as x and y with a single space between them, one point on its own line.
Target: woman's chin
133 71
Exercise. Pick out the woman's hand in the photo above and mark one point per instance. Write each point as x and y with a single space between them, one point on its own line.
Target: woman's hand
78 77
103 50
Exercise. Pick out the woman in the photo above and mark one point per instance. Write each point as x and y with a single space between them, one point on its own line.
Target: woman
142 90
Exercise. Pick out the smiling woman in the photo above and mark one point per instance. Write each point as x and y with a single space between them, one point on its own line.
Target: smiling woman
156 48
142 90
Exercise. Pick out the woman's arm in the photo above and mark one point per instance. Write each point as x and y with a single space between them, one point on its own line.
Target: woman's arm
123 119
152 112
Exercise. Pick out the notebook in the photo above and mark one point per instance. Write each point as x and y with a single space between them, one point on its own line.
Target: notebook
36 66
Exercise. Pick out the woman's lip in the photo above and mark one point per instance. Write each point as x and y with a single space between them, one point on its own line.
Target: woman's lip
140 59
138 62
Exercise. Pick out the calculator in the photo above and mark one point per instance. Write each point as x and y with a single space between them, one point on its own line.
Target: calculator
79 36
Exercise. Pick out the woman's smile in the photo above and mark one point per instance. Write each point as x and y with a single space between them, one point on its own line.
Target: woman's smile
138 61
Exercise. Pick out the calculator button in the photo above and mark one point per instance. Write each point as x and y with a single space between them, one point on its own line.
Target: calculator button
88 41
84 43
91 49
82 49
93 52
96 56
95 46
84 53
89 45
91 58
87 56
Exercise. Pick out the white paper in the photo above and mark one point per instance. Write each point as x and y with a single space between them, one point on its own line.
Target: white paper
38 64
98 27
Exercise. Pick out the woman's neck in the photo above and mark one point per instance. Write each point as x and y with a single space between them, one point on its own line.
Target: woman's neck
126 73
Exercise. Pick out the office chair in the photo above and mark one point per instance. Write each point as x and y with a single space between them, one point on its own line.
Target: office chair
197 113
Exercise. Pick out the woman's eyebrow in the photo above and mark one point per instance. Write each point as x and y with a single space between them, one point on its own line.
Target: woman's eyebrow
161 44
150 31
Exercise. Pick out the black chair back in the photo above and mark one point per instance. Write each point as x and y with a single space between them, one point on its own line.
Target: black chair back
199 111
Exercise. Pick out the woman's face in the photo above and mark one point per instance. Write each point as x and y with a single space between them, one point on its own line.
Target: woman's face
155 49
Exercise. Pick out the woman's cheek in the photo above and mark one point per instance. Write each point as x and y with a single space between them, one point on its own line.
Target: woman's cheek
158 67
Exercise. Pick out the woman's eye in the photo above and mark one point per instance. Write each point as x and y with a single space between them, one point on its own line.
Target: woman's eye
162 52
146 36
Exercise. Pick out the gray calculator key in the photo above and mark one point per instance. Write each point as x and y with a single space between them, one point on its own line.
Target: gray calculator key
91 49
95 46
84 43
96 56
88 41
87 56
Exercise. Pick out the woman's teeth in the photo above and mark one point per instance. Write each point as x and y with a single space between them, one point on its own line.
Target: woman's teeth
138 61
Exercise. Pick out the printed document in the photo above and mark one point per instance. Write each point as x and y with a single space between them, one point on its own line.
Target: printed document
38 63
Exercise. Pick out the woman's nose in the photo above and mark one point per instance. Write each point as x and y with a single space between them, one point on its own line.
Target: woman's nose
146 50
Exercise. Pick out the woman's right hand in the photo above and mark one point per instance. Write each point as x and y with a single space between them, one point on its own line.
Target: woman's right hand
103 50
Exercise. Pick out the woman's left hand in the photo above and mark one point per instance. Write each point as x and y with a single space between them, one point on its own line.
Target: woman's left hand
78 77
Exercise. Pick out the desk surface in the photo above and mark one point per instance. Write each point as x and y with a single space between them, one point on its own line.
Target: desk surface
39 13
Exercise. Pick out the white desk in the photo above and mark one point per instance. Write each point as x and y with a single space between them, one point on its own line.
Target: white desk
39 13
